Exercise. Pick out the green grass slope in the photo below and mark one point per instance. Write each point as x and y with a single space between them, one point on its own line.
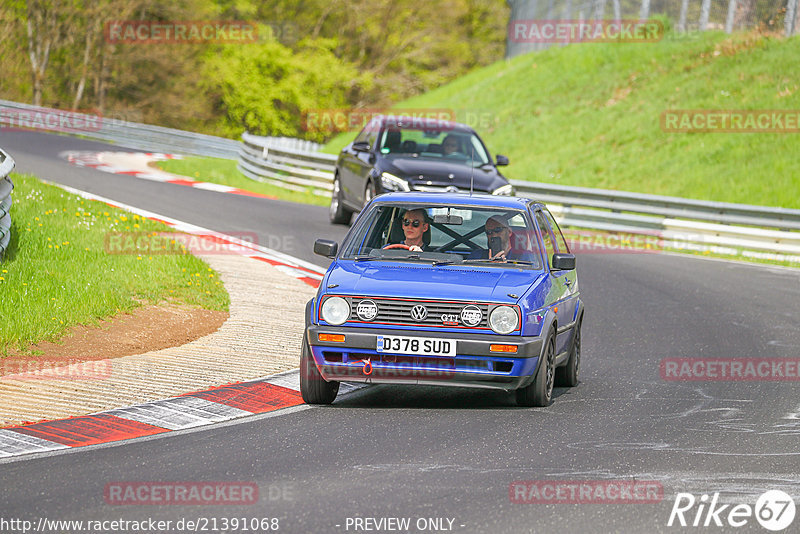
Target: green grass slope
589 115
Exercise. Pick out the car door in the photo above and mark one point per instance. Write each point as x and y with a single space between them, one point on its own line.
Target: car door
560 289
572 297
349 169
365 162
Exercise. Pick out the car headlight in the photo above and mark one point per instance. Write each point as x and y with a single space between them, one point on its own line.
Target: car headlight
335 310
505 190
390 182
503 319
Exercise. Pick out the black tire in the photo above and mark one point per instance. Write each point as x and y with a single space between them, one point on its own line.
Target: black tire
539 393
567 376
337 213
369 192
313 388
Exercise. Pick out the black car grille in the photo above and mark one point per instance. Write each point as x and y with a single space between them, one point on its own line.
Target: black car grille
398 311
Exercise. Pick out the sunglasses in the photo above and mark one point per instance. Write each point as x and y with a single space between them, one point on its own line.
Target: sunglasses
495 230
415 223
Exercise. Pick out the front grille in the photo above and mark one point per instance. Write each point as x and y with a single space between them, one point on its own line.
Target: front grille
398 311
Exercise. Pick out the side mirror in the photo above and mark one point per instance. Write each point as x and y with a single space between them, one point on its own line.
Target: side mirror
326 247
501 160
361 146
563 262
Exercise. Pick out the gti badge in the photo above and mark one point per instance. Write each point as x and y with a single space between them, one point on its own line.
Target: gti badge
419 312
367 310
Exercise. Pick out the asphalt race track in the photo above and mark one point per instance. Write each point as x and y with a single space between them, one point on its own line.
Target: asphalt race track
428 453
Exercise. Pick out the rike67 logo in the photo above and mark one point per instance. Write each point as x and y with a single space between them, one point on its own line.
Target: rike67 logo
774 510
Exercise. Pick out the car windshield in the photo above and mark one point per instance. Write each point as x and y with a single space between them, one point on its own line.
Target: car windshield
454 146
444 235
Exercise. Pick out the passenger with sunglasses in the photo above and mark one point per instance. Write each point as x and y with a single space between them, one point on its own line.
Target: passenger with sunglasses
499 237
414 227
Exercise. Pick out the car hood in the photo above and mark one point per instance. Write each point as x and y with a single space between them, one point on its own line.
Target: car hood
423 170
424 281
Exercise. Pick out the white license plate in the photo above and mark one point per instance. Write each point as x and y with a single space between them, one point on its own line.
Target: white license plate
424 346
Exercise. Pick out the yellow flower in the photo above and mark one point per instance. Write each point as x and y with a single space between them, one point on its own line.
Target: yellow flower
87 248
24 284
49 239
5 270
65 243
36 218
40 224
136 225
1 279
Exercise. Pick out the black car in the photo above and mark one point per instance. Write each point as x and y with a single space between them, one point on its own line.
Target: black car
411 154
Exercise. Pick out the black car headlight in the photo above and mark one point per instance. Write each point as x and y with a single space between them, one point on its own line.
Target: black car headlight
390 182
505 190
335 310
503 319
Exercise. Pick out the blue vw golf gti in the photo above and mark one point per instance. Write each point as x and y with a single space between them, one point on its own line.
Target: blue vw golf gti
446 289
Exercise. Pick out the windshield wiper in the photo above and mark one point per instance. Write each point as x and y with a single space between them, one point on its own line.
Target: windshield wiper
367 257
497 260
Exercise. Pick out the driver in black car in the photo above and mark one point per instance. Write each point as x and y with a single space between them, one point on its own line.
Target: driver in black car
414 227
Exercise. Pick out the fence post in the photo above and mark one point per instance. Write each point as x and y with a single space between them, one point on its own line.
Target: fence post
731 13
682 17
704 13
617 13
645 12
791 17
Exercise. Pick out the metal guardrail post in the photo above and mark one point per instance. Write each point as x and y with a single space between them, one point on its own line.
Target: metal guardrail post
6 186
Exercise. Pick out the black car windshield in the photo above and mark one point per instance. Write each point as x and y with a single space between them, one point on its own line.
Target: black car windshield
444 235
454 146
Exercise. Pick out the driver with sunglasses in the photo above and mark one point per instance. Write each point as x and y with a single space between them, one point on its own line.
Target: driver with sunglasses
414 227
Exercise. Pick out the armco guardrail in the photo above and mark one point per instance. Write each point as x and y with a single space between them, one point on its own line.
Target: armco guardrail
6 186
286 167
118 131
679 223
726 228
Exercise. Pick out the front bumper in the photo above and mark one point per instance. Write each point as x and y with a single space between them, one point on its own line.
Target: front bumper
474 365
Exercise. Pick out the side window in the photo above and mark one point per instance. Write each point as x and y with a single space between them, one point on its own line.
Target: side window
369 133
546 238
372 135
560 241
362 135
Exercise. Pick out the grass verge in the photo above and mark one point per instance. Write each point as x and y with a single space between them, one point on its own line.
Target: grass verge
224 172
589 115
57 273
